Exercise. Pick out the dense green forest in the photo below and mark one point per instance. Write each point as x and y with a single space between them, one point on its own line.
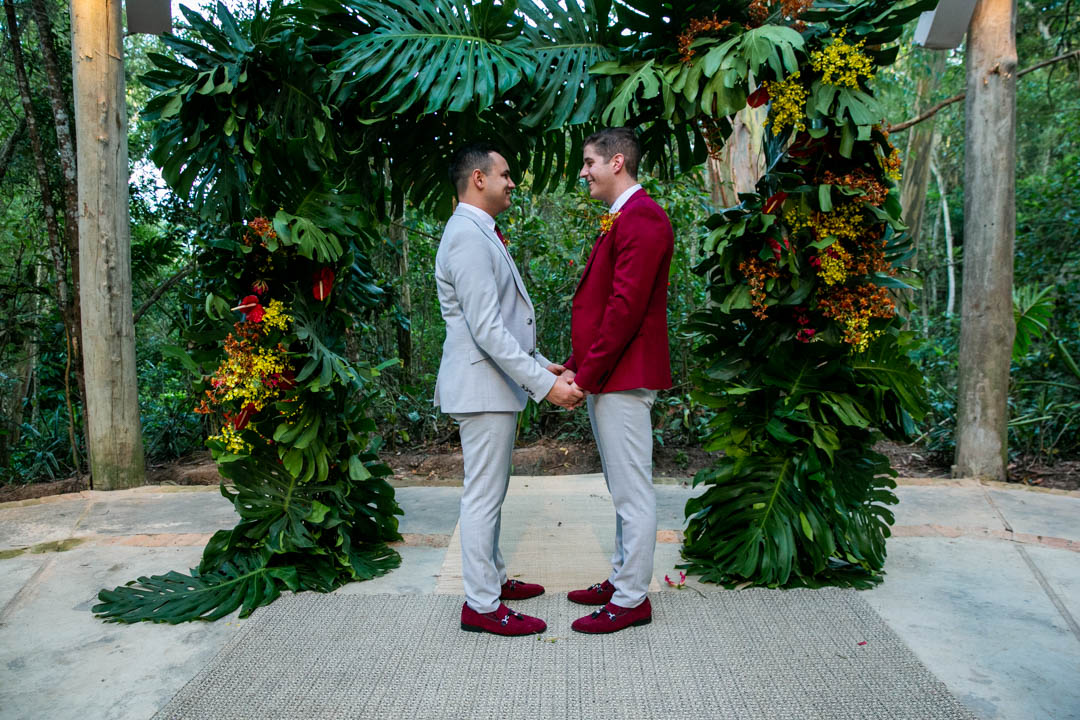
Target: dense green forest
41 422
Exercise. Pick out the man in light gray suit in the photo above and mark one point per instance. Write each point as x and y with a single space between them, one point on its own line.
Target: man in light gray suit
490 367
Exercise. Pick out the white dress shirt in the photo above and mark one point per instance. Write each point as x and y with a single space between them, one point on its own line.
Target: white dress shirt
480 215
621 200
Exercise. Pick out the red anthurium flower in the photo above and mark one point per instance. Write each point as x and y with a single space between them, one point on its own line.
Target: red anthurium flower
804 145
285 380
242 418
775 248
323 283
774 203
758 98
253 311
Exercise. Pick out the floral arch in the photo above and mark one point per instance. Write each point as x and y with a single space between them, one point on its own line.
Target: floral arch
294 134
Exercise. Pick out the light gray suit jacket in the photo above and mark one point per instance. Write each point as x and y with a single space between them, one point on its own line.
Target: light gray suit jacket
489 361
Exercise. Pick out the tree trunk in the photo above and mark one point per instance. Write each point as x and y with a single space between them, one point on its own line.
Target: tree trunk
8 150
404 334
987 327
52 229
60 102
928 296
919 149
742 160
950 261
112 402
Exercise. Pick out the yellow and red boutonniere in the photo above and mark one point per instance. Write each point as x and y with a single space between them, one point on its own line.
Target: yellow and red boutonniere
606 221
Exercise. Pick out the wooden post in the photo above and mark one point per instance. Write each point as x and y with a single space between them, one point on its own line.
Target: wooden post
112 406
987 327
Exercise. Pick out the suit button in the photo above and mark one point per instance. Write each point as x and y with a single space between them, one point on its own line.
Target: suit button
528 321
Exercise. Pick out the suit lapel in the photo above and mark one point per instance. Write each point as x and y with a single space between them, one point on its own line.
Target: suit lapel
600 239
592 256
493 238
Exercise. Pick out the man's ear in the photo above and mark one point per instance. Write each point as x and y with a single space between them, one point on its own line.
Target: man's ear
478 179
618 162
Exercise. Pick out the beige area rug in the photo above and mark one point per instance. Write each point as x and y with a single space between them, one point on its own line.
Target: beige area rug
750 654
556 531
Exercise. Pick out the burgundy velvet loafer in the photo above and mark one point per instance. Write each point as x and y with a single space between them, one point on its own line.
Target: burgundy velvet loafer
502 621
612 618
515 590
598 594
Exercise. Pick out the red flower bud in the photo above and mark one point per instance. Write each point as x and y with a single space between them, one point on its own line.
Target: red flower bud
259 287
758 98
323 283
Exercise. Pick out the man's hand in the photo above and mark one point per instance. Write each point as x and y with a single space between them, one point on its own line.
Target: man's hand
565 394
568 375
556 369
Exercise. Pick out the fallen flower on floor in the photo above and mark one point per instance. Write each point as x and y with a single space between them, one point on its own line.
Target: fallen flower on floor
677 585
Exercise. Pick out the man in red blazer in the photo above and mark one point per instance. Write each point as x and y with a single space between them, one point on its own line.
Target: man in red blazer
620 358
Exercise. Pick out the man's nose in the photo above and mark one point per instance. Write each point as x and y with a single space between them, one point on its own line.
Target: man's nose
584 172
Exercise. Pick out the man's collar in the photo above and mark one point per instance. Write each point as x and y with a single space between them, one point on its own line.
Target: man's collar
479 215
621 200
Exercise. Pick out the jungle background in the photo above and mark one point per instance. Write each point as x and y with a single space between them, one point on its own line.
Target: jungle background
42 447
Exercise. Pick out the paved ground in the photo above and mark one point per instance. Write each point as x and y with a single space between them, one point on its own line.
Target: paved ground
983 583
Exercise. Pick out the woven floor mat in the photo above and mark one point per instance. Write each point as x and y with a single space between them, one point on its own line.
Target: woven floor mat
743 654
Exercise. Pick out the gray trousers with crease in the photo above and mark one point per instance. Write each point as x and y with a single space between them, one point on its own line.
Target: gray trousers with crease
487 443
622 426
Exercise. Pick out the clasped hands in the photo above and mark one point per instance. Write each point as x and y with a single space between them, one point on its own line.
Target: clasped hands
565 392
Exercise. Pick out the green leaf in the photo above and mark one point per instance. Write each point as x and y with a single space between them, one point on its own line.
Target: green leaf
825 197
182 355
245 582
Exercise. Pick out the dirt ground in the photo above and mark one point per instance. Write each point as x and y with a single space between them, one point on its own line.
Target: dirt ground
442 465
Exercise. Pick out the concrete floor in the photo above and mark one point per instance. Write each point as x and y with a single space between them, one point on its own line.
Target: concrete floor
983 583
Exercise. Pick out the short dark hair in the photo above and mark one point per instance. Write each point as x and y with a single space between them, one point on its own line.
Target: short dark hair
613 141
469 157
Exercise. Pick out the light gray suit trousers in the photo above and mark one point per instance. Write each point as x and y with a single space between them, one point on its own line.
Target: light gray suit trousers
490 367
622 426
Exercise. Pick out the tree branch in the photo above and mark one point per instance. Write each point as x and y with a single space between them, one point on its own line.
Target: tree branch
162 289
957 98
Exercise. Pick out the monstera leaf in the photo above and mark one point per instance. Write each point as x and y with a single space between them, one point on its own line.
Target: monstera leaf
752 520
438 54
566 41
245 582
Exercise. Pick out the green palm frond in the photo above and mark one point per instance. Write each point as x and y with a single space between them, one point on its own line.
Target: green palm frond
437 54
245 582
1032 310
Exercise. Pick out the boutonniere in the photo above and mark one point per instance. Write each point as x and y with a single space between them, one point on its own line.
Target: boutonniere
606 221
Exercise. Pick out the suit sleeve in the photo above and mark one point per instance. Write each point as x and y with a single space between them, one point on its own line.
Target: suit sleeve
640 246
470 264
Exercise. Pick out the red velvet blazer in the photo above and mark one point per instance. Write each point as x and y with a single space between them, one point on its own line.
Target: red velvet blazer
619 334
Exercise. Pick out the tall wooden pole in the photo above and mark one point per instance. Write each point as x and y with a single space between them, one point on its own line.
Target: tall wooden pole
987 327
112 403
